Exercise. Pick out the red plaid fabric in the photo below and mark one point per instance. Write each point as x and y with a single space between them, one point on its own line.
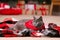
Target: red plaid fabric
5 30
8 33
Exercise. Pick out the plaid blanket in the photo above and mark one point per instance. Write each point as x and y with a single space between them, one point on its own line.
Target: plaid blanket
5 32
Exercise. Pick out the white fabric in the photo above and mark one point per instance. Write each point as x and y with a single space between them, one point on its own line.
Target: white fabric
29 6
14 19
7 6
1 29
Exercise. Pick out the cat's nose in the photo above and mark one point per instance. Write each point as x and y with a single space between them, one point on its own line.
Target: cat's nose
35 24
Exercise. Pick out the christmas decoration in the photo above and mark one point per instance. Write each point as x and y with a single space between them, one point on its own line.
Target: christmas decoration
30 8
43 10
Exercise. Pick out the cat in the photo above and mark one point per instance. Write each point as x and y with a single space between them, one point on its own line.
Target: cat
23 30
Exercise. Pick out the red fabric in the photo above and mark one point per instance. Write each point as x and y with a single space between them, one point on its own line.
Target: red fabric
11 11
0 5
34 6
20 4
54 26
33 34
30 26
57 28
6 32
4 26
10 35
3 4
43 10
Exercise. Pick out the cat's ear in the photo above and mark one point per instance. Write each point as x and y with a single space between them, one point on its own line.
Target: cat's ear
34 17
40 18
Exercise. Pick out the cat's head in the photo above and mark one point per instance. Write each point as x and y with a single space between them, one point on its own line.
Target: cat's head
38 22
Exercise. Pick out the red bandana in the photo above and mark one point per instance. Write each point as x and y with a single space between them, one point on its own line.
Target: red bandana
29 25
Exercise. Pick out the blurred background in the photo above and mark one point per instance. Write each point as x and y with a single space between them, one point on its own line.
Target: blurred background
28 7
